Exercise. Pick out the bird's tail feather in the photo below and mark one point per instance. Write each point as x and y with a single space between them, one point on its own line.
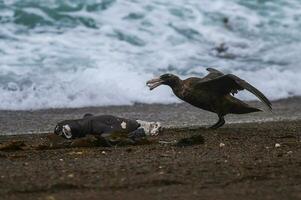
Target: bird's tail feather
245 109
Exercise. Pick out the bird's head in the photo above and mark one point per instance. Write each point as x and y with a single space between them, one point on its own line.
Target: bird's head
165 79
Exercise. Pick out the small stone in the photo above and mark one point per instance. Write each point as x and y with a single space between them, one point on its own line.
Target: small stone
277 145
289 152
61 159
221 144
70 175
50 198
103 152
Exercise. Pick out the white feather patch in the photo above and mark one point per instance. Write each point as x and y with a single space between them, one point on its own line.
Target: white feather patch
123 125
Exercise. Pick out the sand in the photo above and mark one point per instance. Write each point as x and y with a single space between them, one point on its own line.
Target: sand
173 115
252 157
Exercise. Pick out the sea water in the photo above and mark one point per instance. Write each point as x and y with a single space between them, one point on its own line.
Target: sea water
60 53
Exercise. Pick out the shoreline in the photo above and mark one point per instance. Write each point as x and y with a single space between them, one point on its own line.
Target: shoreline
247 158
170 115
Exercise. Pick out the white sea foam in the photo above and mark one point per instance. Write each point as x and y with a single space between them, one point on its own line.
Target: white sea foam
95 53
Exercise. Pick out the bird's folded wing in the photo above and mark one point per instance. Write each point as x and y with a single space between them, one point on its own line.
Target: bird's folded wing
229 83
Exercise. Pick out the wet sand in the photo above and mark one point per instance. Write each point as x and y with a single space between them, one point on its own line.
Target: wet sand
257 158
172 115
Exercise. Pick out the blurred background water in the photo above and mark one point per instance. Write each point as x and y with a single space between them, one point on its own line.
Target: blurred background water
76 53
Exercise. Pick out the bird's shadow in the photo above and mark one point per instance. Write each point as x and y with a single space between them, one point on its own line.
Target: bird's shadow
190 141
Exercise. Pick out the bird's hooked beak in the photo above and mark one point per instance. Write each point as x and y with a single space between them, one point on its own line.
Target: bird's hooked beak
153 83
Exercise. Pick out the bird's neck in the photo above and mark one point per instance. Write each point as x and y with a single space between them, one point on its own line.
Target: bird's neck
177 87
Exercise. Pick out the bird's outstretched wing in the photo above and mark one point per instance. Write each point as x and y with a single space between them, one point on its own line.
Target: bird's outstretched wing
230 83
213 73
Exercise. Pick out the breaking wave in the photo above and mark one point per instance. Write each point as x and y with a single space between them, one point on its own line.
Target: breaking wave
101 52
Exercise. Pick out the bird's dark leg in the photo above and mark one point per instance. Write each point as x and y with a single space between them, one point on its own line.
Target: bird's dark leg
219 123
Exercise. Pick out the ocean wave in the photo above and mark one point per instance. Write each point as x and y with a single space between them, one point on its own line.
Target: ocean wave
96 53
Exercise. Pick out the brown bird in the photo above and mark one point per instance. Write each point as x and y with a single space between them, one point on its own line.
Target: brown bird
212 93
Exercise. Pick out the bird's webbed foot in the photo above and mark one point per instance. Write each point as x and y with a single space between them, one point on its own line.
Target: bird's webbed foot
219 123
